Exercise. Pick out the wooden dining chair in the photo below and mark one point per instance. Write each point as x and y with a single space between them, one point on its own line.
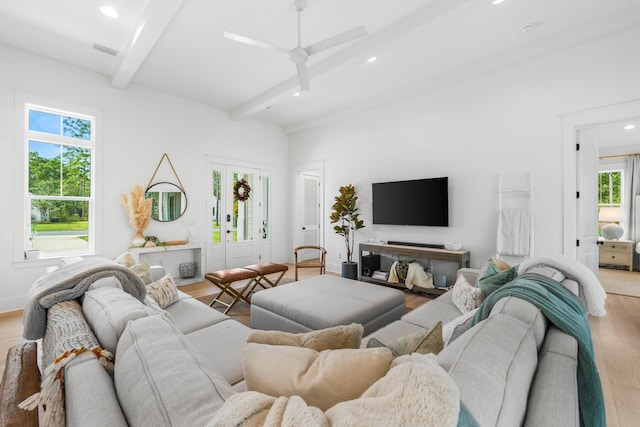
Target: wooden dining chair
311 262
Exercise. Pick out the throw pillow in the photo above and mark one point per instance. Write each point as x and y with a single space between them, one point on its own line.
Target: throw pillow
489 284
143 270
125 259
164 291
420 342
491 268
465 296
349 336
457 326
322 379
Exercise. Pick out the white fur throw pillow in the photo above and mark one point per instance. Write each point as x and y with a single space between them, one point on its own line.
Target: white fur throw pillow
322 379
465 296
164 291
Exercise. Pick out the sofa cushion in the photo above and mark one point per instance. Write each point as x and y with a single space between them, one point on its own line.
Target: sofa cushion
164 291
90 395
322 379
392 331
422 342
553 399
107 310
440 309
465 296
162 380
525 312
189 315
342 336
222 344
499 357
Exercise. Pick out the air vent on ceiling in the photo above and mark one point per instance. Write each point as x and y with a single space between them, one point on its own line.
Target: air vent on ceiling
105 49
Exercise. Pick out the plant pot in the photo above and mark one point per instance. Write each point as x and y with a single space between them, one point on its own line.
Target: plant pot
32 254
350 270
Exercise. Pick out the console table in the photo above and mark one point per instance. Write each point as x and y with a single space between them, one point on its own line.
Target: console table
461 257
170 258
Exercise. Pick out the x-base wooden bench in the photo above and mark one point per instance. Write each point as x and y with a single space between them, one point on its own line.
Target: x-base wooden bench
256 275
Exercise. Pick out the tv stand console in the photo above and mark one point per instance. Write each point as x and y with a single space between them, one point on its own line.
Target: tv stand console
461 257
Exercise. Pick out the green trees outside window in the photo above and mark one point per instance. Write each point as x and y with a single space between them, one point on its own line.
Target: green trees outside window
59 181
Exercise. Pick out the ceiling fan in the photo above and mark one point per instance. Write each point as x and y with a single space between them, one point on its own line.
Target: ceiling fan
299 55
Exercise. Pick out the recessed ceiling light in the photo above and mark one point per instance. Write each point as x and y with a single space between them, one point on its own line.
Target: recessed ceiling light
296 94
497 1
372 59
629 127
109 11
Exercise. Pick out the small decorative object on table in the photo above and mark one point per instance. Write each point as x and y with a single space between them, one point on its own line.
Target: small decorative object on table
451 246
187 270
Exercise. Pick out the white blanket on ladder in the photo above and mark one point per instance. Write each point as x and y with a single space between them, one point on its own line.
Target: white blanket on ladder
514 232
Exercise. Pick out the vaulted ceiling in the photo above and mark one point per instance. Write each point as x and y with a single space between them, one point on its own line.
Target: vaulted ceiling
177 46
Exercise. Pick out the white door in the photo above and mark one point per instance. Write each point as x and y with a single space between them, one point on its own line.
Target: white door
237 227
310 214
587 202
242 217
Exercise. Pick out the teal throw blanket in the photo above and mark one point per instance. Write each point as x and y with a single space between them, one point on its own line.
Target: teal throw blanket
567 313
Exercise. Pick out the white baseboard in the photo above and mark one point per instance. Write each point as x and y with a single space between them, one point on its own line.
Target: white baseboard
12 304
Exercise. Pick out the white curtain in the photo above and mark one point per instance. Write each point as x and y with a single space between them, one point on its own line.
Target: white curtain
632 189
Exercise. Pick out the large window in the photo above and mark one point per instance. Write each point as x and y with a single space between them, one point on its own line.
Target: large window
59 180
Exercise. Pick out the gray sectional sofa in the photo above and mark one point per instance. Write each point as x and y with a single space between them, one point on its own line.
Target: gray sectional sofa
512 369
177 366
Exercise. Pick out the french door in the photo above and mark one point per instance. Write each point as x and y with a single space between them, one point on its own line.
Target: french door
238 225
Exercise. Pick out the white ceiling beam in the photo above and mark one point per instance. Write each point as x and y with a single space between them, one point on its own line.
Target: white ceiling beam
415 19
155 20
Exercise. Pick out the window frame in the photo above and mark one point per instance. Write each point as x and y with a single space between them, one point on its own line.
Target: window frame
622 198
23 102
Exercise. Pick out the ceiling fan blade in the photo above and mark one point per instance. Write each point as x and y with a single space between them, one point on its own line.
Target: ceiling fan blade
336 40
303 76
252 42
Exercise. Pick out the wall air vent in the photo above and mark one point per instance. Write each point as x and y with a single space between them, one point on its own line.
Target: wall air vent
105 49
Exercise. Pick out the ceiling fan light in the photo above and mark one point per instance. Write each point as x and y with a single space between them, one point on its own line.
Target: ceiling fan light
109 11
372 59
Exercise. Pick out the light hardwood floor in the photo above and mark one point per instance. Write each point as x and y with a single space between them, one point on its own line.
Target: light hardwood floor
616 340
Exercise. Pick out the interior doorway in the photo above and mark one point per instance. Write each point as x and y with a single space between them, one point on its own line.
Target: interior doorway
579 218
308 205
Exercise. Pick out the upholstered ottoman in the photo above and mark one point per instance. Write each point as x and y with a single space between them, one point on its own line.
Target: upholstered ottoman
324 301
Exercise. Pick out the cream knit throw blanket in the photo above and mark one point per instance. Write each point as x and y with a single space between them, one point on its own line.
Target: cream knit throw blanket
415 392
67 336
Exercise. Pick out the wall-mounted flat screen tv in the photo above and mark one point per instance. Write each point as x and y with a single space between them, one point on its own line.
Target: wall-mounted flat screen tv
414 202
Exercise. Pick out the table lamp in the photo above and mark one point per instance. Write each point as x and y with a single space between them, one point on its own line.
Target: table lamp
611 231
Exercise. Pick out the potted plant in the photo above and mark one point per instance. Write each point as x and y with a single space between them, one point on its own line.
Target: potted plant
346 217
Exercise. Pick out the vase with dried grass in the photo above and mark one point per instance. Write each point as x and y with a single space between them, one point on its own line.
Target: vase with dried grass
139 210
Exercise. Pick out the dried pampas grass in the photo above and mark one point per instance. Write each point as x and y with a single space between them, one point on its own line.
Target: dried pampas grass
138 208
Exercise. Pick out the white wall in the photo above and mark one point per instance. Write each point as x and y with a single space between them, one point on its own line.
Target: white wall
472 132
139 126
